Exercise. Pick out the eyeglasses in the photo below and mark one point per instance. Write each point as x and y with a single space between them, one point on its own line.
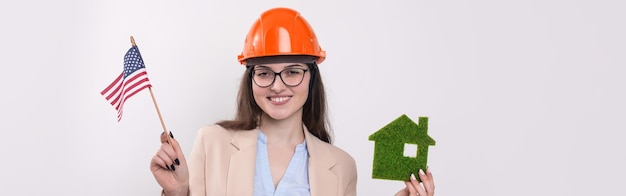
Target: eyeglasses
291 77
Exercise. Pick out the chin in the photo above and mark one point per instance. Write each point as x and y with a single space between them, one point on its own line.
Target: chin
280 115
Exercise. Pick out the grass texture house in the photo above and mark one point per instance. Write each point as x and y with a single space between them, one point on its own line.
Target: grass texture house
401 148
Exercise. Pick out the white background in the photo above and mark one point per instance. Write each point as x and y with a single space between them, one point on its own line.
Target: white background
524 97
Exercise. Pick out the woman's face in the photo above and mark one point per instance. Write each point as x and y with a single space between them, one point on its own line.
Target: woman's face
281 100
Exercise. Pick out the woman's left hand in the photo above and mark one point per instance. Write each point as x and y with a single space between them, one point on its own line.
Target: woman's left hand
414 187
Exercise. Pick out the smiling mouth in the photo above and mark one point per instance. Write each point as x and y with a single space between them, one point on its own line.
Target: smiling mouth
279 99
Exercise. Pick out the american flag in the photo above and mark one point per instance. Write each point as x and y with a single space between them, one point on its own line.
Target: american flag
133 79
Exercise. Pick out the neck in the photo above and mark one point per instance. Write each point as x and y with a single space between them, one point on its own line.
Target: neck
282 132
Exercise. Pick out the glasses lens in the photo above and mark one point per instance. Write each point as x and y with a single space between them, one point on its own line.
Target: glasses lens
263 77
292 77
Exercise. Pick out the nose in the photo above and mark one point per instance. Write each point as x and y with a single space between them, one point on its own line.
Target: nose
279 84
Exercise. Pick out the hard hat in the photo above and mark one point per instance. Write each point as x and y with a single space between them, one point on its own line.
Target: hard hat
281 32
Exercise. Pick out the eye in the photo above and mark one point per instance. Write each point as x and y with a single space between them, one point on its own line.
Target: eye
262 73
294 72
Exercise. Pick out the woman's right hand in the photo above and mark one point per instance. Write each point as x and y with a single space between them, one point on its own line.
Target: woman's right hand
414 187
169 167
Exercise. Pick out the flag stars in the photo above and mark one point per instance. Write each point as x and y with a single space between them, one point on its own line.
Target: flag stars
132 62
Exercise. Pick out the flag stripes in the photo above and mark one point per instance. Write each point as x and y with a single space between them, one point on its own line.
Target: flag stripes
132 80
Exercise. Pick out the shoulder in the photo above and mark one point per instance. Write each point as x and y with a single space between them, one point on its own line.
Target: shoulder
218 135
341 156
214 135
319 148
343 160
214 131
341 163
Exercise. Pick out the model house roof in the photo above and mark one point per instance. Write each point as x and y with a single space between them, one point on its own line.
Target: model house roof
404 130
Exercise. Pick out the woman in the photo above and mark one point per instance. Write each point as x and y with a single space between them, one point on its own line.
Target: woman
279 142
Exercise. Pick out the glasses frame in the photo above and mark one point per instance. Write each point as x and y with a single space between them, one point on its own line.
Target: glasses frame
279 74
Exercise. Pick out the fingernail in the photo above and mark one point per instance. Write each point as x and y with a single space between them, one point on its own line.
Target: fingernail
171 135
428 169
168 167
413 176
176 161
173 168
422 172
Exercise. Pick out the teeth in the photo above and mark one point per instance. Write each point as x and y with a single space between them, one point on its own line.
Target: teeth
279 99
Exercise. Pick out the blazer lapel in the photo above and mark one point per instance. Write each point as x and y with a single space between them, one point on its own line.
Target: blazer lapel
242 163
322 180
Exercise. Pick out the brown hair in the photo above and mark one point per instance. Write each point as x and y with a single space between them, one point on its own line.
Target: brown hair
314 114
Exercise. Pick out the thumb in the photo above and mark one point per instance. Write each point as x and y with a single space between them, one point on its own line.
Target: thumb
164 136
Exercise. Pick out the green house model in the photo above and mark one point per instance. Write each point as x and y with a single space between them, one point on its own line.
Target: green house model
401 148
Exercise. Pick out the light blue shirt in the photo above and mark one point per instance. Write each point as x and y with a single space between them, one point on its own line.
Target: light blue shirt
295 181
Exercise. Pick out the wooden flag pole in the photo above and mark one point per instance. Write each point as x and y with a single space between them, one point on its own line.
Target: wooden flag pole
132 41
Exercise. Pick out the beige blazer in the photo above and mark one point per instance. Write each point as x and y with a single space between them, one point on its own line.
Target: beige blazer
222 162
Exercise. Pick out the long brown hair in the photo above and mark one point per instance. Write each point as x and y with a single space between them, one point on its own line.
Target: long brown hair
314 114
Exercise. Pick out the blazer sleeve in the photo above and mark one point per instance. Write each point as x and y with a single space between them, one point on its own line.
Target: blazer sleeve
345 170
196 164
348 173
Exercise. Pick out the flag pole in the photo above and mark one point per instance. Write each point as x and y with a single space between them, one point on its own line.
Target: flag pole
132 41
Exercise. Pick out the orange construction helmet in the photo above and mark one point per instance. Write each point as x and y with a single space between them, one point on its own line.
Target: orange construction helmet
281 32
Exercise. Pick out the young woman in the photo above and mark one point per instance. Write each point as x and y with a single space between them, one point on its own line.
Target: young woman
279 141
